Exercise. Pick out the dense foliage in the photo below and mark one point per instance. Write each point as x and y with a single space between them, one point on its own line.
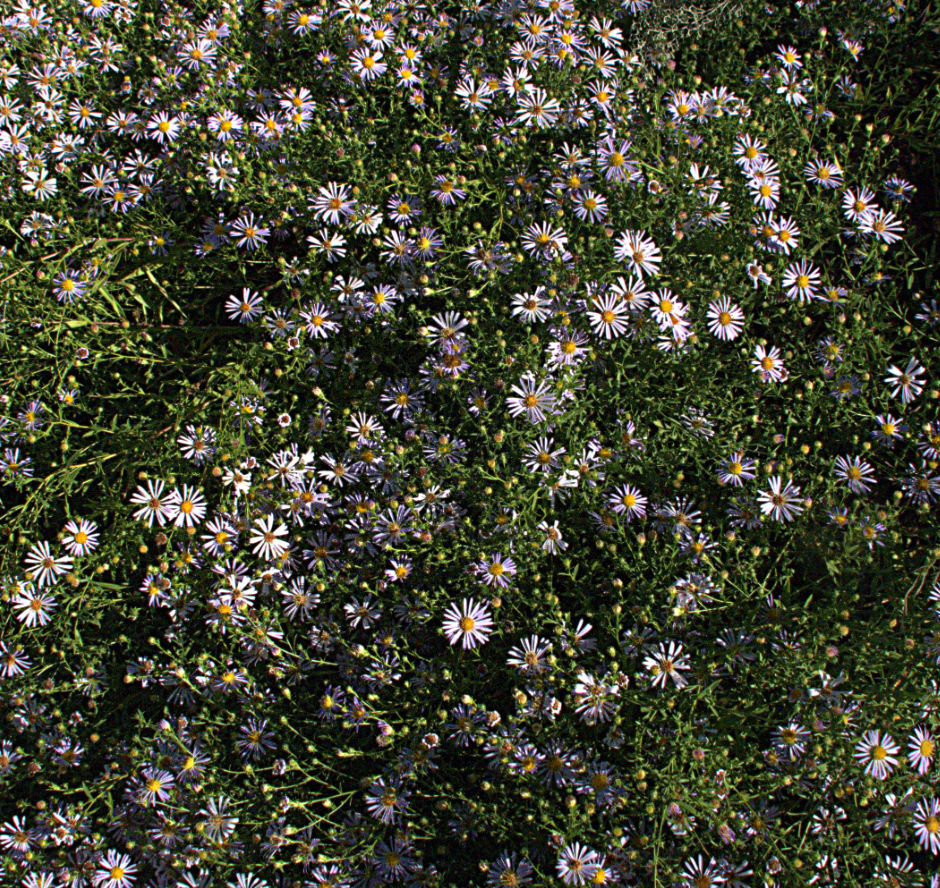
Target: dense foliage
469 443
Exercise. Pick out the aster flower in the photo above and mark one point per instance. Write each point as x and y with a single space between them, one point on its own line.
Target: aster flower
318 322
186 506
907 383
824 173
784 237
543 238
898 189
639 252
256 739
34 607
553 542
197 444
115 870
266 541
701 874
445 190
156 785
736 469
667 662
333 203
590 206
668 311
529 655
876 751
218 822
800 281
473 96
882 225
765 193
607 314
470 624
81 537
45 567
725 320
920 484
922 750
247 231
613 158
164 127
68 287
769 364
577 864
387 801
13 661
857 204
781 503
791 740
496 571
889 429
627 501
531 398
367 64
856 473
509 870
927 825
531 307
633 293
538 108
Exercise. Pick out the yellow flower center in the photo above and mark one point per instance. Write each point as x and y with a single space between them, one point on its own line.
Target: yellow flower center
467 624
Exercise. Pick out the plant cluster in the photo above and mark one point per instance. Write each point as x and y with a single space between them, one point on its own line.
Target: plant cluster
486 443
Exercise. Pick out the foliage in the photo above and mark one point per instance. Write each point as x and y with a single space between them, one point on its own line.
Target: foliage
485 443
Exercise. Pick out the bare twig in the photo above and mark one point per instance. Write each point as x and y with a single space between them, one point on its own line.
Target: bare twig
661 26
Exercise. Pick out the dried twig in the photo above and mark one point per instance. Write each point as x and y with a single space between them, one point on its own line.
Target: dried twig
660 28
